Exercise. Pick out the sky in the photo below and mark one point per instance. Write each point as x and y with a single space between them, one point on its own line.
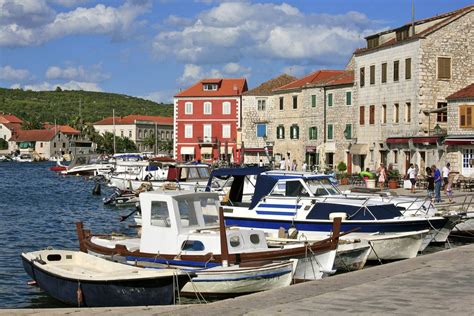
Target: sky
154 48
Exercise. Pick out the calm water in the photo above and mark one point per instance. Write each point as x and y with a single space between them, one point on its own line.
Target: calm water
38 209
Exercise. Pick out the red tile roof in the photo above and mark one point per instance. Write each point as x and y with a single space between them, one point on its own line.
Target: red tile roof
315 78
8 118
228 87
347 77
130 119
467 92
12 126
33 135
65 129
267 87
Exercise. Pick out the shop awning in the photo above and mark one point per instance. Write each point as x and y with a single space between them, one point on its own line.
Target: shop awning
310 149
206 151
359 149
459 141
187 150
416 140
257 150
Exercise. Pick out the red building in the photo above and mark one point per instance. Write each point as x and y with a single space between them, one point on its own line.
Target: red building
207 116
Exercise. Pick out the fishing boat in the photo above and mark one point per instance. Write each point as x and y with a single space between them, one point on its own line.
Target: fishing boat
83 280
88 165
308 202
24 158
184 229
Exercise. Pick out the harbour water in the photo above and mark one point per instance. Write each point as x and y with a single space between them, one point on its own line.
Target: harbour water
38 209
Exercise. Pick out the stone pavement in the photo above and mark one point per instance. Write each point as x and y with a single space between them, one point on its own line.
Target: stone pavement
436 284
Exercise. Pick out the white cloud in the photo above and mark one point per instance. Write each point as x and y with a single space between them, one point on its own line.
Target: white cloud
190 74
24 13
231 31
71 85
164 96
117 22
296 70
193 73
93 74
11 74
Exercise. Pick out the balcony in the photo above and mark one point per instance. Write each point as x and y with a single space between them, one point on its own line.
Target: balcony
210 141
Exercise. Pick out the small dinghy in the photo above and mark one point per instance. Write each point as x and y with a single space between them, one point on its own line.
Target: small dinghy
79 279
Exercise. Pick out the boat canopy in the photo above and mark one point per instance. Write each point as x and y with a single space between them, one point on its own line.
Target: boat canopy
354 212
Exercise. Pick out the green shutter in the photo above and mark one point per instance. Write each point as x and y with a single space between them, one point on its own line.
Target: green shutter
297 132
330 99
348 131
313 100
330 131
348 98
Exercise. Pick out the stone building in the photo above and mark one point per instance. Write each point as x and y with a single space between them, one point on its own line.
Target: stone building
42 143
402 80
258 132
459 142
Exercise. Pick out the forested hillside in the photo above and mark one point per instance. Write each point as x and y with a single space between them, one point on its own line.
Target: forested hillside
67 106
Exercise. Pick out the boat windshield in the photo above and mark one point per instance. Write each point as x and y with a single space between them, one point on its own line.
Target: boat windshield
322 187
191 209
210 212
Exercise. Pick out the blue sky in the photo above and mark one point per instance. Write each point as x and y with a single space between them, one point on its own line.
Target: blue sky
151 49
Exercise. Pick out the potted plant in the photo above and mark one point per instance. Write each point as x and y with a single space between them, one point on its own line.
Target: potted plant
342 175
393 178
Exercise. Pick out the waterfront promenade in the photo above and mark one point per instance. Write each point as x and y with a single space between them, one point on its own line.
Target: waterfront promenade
437 284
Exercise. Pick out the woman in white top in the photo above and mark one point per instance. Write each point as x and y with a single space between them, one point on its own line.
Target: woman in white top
412 173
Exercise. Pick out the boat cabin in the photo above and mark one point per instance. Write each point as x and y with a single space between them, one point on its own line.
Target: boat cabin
188 223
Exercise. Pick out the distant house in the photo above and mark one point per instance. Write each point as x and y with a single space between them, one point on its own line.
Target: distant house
140 129
77 144
43 142
8 125
460 136
207 119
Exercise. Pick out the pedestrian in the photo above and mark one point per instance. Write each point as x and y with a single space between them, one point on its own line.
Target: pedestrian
382 176
449 189
260 164
445 173
411 175
294 165
304 166
437 183
282 164
430 181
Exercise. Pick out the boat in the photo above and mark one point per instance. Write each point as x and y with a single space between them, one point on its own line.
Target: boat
88 165
184 229
24 158
79 279
308 202
126 197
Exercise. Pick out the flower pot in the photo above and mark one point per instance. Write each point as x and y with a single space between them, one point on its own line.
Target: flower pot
392 184
370 183
344 181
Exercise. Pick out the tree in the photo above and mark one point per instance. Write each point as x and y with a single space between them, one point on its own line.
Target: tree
58 89
3 144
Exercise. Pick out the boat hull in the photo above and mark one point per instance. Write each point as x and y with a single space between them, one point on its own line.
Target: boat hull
351 257
396 246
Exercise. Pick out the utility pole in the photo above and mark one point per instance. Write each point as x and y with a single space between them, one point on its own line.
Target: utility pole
113 120
156 139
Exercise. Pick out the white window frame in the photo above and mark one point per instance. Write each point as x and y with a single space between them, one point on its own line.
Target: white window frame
188 130
225 130
261 104
207 131
188 108
210 86
207 108
226 109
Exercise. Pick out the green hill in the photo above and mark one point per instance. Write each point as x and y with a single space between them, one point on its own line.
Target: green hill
65 106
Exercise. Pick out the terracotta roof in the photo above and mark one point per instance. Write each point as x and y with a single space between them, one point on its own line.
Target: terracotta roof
130 119
347 77
8 118
33 135
267 87
228 87
315 78
65 129
445 19
467 92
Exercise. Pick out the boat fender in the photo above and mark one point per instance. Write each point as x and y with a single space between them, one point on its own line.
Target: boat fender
292 232
79 294
96 190
334 215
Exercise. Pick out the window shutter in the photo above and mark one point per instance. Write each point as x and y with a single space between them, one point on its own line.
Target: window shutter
348 98
444 68
362 115
313 101
408 68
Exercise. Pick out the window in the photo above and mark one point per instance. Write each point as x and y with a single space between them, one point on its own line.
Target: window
210 87
313 132
188 108
348 98
295 102
396 113
129 134
294 132
395 157
121 133
313 100
384 114
444 68
330 131
281 103
261 130
442 117
162 134
384 72
329 99
372 74
402 34
373 42
188 131
348 131
362 76
362 115
160 215
261 104
145 133
139 133
226 108
41 144
207 108
207 132
465 116
408 112
396 69
280 132
225 130
372 115
408 68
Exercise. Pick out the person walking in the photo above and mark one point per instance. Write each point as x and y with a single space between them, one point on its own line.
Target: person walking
282 164
445 173
304 166
260 163
437 183
430 181
411 174
449 189
382 176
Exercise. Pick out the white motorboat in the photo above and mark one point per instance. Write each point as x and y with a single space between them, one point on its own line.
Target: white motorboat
88 165
24 158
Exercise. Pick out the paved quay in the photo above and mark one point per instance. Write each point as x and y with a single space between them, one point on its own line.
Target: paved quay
437 284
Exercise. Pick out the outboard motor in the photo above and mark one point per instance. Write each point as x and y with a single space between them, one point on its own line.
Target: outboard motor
97 189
